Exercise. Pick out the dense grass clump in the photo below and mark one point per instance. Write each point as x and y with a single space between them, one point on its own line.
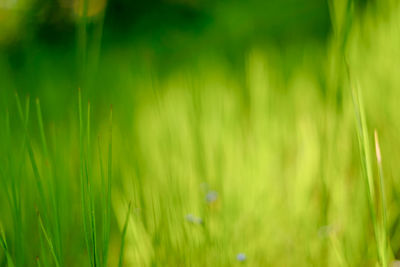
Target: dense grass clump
278 166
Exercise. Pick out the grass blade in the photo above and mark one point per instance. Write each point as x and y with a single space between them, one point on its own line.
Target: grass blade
121 253
83 187
49 242
363 140
384 240
56 217
41 128
3 244
108 196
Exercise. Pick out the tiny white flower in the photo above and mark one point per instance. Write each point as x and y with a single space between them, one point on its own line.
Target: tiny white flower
193 219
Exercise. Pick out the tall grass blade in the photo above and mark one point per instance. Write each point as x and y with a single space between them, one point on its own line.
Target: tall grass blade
384 230
121 252
108 196
49 242
4 246
41 128
82 177
56 217
92 215
363 140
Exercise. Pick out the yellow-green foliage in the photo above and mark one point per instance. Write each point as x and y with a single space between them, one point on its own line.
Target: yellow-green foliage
213 165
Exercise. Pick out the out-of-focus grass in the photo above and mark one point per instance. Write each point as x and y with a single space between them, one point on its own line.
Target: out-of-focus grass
200 165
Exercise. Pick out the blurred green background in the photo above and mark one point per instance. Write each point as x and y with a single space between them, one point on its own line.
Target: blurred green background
40 50
241 133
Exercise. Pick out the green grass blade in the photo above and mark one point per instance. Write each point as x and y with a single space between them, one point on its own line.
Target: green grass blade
38 262
121 252
16 183
108 196
92 215
41 128
35 169
57 230
103 204
363 141
384 230
83 184
49 242
19 106
3 244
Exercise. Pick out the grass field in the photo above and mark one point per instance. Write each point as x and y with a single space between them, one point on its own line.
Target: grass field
275 164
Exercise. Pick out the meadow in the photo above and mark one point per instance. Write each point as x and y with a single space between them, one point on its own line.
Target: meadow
287 160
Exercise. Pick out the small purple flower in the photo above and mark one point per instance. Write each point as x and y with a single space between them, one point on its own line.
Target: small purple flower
241 257
211 196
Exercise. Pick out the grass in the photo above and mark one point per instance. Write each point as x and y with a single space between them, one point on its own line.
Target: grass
379 224
203 168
